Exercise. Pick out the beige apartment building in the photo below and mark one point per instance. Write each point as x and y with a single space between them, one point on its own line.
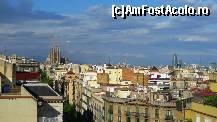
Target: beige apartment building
18 107
120 110
70 78
198 112
115 75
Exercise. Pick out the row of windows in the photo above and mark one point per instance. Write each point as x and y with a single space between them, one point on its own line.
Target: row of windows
114 72
45 119
128 119
146 111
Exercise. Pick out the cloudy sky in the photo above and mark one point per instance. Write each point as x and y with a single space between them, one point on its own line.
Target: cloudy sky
87 33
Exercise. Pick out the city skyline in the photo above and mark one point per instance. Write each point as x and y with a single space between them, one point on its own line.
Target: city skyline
86 29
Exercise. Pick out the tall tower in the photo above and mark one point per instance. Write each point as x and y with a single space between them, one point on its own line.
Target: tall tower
180 63
175 61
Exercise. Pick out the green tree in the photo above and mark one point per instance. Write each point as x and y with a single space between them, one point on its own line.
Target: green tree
45 79
180 104
70 114
210 100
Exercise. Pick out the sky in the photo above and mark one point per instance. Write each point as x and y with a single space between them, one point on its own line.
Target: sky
86 32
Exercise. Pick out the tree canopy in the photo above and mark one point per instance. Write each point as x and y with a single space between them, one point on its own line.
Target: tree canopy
211 100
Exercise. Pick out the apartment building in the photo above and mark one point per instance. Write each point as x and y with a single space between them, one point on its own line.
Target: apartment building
115 75
198 112
50 103
70 79
135 110
18 107
159 82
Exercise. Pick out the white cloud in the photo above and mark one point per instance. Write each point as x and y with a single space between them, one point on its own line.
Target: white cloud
162 25
192 38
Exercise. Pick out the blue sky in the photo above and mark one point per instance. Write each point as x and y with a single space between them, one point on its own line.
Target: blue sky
87 33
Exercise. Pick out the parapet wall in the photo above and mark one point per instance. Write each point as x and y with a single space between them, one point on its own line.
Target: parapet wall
8 70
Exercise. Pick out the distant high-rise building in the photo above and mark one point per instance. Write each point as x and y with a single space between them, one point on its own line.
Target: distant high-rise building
180 64
175 61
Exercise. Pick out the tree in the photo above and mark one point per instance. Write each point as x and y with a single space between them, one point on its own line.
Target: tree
210 100
70 114
45 79
180 104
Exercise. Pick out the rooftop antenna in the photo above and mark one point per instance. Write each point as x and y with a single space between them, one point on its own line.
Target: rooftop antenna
109 60
3 50
200 63
125 61
105 60
200 60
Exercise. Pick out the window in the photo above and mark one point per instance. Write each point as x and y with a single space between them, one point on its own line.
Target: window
119 110
174 85
54 119
206 119
137 109
119 118
168 113
110 113
127 118
43 119
40 119
128 114
110 109
156 113
119 113
197 118
137 119
117 79
146 112
128 111
110 118
146 120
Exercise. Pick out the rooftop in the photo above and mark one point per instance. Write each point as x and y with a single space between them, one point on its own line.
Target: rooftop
43 91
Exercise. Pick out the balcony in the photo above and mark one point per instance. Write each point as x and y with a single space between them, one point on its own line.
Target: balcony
168 117
166 104
146 115
157 116
132 114
136 114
